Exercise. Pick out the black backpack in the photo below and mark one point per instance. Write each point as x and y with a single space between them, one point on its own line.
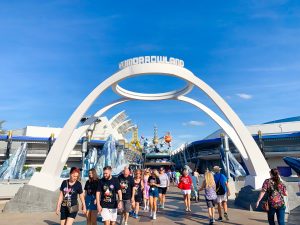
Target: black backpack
220 189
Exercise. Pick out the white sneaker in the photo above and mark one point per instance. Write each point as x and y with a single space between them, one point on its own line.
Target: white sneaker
151 213
125 223
154 216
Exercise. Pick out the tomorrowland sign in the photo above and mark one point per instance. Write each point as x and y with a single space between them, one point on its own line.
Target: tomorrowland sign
150 59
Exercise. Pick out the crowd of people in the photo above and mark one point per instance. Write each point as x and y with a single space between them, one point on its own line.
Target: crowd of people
125 194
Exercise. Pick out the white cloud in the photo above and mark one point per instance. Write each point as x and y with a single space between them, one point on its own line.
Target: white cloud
193 123
244 96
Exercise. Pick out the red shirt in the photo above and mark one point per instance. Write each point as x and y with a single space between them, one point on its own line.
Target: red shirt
186 182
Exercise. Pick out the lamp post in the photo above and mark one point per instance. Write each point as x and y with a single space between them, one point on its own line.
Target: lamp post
261 143
9 142
51 141
225 143
84 148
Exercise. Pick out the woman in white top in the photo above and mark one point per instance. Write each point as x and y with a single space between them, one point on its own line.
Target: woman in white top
164 185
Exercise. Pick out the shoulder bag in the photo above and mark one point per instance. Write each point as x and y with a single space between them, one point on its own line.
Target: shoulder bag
72 208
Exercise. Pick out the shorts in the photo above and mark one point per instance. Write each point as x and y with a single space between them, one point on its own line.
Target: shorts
146 189
109 214
153 192
195 193
162 190
186 192
64 213
221 198
89 202
210 203
126 206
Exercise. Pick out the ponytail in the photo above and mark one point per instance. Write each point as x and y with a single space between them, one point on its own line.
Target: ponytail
275 177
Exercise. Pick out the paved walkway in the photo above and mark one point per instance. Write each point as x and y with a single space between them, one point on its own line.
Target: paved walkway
172 214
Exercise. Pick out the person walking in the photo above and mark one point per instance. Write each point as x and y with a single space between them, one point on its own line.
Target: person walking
67 204
174 177
209 187
138 192
223 191
276 191
126 184
164 185
177 176
106 197
197 175
90 188
186 185
195 190
154 183
169 173
146 189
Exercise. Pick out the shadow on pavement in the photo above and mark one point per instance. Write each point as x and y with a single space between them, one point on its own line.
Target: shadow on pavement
51 222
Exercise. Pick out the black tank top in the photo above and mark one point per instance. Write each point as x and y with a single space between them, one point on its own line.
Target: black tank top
138 188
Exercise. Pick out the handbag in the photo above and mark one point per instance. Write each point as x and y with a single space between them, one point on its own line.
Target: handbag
265 206
73 208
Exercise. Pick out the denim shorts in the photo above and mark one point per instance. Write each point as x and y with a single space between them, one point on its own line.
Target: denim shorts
153 192
89 202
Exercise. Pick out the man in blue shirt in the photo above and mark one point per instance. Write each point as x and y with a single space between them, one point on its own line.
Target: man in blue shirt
223 192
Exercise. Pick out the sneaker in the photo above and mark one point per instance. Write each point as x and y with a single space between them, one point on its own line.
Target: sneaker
151 213
211 222
154 216
125 223
220 219
136 216
131 213
190 210
226 216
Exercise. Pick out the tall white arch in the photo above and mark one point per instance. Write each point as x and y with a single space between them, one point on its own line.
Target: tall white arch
60 151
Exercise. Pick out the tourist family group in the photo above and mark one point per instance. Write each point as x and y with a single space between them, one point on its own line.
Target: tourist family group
124 194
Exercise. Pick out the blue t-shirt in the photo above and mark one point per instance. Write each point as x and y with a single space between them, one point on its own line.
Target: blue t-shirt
194 179
219 177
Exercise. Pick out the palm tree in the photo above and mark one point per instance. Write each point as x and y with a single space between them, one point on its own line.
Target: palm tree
1 130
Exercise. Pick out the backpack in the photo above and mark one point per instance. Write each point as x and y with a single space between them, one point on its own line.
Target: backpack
220 189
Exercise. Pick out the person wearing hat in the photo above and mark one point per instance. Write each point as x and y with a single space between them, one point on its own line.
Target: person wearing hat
222 190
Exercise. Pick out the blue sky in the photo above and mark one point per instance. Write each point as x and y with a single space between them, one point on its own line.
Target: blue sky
52 54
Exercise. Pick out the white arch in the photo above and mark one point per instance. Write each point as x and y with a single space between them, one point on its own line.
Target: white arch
222 123
123 123
57 156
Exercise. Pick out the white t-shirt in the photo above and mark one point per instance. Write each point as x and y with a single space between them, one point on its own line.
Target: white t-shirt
164 180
